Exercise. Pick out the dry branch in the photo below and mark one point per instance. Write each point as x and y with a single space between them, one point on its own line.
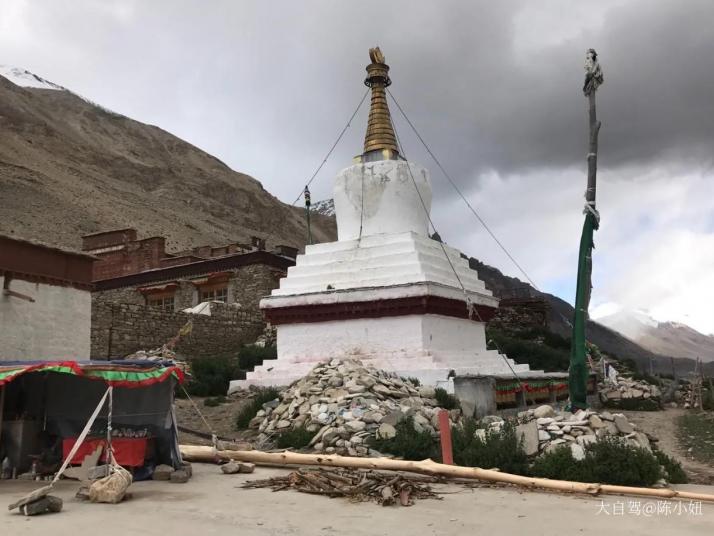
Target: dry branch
428 467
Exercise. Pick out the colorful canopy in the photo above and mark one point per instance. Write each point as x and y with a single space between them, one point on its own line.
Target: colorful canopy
116 373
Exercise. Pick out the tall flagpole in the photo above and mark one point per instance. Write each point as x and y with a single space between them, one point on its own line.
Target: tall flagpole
578 374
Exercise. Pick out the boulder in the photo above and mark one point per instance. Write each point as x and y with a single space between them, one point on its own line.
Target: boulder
623 425
112 488
543 411
528 433
386 431
44 505
162 472
577 451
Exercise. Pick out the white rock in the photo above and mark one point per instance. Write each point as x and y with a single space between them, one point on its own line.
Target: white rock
543 411
577 451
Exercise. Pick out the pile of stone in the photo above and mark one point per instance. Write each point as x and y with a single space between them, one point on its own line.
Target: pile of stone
627 389
345 404
544 429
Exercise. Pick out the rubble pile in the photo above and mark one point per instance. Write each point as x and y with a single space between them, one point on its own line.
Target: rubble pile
345 404
613 394
544 429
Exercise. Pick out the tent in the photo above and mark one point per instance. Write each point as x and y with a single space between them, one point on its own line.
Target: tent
44 405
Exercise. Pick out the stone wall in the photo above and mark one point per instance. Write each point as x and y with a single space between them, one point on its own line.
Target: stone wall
123 328
54 326
246 286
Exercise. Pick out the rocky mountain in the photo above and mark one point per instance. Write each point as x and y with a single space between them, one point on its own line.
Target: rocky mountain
606 338
666 338
69 167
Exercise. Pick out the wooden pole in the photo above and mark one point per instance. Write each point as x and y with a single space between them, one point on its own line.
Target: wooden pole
447 453
193 453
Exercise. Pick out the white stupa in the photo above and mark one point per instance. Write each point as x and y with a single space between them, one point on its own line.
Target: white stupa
385 292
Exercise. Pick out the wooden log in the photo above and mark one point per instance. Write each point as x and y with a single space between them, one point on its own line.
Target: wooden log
428 467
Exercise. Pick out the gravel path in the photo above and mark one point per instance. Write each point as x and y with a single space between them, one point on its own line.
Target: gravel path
663 425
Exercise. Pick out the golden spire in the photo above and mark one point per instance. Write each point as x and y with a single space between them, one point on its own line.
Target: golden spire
380 134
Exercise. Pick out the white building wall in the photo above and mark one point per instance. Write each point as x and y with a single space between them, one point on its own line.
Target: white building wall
55 326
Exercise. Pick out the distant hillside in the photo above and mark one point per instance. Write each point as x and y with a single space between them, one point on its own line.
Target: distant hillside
69 167
666 338
608 340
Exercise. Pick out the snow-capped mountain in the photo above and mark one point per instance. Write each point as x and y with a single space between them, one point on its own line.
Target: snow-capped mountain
326 207
665 338
24 78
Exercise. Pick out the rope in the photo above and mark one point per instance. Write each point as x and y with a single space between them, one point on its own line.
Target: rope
214 437
463 197
470 309
324 161
81 438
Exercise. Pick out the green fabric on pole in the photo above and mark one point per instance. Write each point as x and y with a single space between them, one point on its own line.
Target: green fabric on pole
578 373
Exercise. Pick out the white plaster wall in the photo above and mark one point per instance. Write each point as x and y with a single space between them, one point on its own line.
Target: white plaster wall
381 198
56 326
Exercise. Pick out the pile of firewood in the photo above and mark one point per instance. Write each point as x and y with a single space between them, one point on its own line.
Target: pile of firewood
357 486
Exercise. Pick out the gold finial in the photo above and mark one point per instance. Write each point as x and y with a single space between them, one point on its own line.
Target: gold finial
380 133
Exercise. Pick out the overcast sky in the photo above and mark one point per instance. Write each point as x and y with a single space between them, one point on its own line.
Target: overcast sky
494 88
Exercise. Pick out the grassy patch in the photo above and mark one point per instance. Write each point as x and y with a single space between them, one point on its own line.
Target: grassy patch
696 432
445 400
246 414
499 449
408 443
212 402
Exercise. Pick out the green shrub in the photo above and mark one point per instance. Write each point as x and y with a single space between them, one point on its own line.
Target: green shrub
559 464
408 443
645 377
537 347
445 400
251 356
608 461
675 473
414 381
296 438
247 412
634 404
211 376
214 401
500 449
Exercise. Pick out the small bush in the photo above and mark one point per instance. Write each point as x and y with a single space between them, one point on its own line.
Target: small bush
608 461
538 348
296 438
247 412
408 443
559 464
634 404
251 356
211 376
675 473
500 449
414 381
446 400
214 401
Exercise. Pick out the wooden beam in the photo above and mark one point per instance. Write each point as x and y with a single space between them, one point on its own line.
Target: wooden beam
193 453
13 294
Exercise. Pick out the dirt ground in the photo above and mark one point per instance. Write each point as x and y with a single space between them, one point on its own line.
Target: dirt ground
212 503
663 425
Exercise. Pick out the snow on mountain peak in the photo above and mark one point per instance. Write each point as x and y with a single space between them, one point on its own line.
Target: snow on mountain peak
24 78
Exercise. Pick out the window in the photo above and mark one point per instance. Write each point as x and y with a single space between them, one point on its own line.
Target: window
165 303
219 293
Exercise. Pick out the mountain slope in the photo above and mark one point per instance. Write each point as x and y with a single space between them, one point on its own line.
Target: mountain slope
667 338
607 339
69 167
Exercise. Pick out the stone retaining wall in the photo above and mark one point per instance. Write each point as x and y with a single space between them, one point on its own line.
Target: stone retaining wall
121 329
